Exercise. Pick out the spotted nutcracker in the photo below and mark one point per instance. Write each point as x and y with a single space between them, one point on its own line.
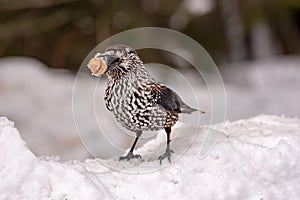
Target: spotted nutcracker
137 100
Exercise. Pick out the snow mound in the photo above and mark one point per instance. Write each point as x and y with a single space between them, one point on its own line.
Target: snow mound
25 176
257 158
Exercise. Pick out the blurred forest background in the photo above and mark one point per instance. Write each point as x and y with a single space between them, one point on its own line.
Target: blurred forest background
61 33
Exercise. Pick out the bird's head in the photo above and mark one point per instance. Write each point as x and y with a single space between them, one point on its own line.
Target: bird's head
116 60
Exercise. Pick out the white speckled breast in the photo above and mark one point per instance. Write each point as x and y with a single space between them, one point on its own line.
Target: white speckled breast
132 104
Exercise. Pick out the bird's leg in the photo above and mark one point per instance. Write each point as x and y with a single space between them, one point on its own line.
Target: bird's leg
130 154
168 150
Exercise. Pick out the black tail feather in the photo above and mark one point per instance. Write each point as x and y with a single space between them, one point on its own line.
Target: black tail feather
188 110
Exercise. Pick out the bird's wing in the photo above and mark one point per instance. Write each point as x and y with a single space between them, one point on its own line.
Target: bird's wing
169 100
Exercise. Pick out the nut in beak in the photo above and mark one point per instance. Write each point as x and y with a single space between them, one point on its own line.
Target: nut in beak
97 66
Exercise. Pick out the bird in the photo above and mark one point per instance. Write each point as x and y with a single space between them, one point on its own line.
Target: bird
138 101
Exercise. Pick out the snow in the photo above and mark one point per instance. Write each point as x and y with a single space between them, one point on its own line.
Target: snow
256 158
25 176
39 100
269 86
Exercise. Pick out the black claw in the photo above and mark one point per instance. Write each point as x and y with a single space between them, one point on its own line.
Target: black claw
129 156
166 155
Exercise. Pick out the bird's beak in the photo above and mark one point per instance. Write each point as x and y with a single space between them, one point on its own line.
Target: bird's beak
108 57
105 54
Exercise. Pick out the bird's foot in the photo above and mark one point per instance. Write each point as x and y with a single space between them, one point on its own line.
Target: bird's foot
166 155
129 156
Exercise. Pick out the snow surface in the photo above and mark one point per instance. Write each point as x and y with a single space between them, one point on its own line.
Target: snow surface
257 158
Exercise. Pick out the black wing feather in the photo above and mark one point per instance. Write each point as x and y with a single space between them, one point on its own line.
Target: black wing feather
169 100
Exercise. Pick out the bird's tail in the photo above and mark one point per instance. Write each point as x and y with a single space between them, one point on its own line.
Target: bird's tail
188 110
